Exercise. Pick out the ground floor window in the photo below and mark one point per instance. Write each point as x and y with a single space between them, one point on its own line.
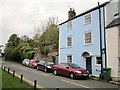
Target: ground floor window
98 60
69 58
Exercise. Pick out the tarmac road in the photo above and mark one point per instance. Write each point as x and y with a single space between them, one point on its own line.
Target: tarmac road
49 81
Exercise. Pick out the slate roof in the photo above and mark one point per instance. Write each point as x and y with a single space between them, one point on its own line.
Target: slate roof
88 11
115 22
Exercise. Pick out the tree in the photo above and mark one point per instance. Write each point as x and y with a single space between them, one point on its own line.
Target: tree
19 48
13 41
49 38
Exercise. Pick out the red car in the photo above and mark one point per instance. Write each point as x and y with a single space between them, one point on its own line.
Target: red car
70 70
33 63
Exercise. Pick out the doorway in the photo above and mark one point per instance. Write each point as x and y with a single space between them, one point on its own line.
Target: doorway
89 64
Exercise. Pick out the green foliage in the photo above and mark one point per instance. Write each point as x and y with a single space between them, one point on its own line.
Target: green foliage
49 38
13 41
8 82
19 48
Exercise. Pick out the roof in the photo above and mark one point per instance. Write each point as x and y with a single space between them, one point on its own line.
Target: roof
90 10
115 22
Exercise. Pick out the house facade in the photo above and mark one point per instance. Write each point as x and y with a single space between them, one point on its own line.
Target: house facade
81 39
113 48
113 38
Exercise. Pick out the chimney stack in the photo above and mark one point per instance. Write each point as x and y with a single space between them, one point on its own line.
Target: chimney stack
71 13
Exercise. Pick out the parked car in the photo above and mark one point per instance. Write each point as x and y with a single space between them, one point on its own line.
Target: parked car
70 70
33 63
45 66
25 62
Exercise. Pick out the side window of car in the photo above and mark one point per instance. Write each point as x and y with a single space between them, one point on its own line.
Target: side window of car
64 65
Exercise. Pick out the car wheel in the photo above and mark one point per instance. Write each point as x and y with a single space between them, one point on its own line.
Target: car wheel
55 72
45 69
37 68
72 76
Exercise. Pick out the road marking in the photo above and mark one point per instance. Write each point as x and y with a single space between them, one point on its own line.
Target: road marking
41 73
75 84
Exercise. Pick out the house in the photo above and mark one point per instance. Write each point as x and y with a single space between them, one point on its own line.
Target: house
81 39
113 47
113 38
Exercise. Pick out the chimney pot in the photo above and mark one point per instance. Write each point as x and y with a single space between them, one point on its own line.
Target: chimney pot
71 13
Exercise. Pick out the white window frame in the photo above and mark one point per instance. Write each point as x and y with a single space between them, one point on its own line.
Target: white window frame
69 25
96 61
67 41
90 31
87 18
68 61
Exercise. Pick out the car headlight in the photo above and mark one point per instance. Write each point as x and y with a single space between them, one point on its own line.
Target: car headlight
78 71
87 71
48 67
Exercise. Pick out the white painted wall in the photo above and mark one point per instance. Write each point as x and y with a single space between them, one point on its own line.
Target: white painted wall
112 50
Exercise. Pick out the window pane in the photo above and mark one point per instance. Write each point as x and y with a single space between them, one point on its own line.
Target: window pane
88 38
69 25
69 41
69 58
87 18
98 60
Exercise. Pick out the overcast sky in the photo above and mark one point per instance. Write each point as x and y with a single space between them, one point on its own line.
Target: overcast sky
21 16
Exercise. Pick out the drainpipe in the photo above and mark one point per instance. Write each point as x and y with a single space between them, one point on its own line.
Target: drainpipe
100 38
105 38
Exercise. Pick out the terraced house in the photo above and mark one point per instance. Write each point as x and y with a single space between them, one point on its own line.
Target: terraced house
81 39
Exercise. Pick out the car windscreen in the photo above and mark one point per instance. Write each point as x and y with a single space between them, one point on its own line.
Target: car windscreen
50 63
72 65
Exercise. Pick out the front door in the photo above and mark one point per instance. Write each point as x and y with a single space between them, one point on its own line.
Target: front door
89 64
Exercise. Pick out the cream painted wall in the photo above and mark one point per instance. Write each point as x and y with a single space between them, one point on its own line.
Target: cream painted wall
112 50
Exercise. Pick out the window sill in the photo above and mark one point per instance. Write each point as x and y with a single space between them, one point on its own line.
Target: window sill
69 47
98 65
87 44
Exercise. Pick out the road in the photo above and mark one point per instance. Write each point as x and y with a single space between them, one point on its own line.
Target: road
48 80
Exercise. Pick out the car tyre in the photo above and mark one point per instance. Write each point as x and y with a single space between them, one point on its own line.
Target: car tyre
45 69
55 72
72 75
37 68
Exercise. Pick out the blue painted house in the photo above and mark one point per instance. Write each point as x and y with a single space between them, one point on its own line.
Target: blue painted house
79 39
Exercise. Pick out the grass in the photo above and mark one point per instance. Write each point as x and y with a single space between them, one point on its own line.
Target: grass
8 82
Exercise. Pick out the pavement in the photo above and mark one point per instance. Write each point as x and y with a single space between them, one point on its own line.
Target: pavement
112 81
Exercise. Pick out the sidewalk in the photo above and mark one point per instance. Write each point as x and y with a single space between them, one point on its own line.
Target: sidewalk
113 82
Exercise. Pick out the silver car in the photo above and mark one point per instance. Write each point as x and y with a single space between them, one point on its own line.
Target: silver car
25 62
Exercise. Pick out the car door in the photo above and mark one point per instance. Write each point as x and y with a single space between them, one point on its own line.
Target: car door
64 71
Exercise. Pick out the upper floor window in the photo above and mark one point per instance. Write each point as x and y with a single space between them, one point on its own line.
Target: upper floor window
69 41
88 37
69 25
87 18
69 58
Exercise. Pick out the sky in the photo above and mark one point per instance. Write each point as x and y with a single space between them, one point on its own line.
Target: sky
22 16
